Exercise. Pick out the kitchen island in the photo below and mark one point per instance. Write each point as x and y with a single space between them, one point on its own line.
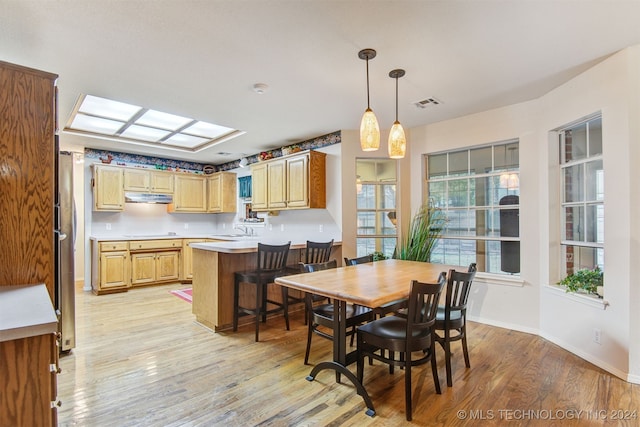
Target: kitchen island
214 265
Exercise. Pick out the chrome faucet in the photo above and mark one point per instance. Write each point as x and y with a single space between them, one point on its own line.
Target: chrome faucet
245 229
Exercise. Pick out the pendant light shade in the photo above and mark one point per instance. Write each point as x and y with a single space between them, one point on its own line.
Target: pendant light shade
369 128
397 138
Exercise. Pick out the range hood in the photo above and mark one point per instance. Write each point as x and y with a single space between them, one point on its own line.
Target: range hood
148 198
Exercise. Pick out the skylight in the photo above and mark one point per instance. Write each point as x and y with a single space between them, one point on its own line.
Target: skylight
104 118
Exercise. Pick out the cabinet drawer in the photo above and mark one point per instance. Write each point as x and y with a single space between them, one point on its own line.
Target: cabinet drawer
143 245
114 246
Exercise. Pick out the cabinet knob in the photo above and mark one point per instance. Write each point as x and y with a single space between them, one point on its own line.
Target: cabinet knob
54 368
55 403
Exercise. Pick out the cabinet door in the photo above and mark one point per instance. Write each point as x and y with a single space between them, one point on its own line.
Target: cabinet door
167 265
259 187
108 191
187 258
277 182
114 269
161 182
143 268
214 199
190 194
298 182
136 180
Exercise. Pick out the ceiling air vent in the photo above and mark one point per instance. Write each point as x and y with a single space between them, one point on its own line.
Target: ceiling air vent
427 102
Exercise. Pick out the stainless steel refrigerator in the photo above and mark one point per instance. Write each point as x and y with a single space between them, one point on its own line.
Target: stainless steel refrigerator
65 234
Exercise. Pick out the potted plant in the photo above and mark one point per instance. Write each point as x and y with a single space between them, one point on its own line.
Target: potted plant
378 256
585 280
424 230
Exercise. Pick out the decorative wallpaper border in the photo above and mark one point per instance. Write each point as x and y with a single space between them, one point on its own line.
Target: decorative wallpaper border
149 162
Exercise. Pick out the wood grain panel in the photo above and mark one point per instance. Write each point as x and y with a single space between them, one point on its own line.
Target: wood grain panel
27 152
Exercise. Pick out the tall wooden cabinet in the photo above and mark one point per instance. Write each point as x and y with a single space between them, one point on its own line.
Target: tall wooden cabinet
27 161
108 183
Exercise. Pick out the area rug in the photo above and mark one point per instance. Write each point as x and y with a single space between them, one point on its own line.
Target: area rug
185 294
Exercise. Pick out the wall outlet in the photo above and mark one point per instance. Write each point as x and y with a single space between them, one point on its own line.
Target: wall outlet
270 227
281 227
597 334
186 225
108 226
321 228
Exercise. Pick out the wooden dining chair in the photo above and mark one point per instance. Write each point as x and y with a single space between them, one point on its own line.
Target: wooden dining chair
271 263
320 319
359 260
452 316
405 335
315 252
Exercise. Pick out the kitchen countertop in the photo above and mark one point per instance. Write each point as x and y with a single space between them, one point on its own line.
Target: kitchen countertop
26 311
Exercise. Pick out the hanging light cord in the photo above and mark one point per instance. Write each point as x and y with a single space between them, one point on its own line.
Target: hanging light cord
396 98
368 107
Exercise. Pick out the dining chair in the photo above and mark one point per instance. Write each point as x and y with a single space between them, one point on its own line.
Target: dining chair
404 335
271 263
391 307
321 316
315 252
452 316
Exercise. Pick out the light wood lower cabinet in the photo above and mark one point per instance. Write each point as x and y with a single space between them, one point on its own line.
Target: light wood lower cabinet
187 257
110 267
152 267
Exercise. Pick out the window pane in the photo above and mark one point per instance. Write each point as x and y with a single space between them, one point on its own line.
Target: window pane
595 137
480 192
580 258
385 225
506 156
458 192
509 222
437 165
480 160
504 185
387 196
457 223
437 193
365 246
595 223
573 182
366 223
366 197
458 163
366 169
576 143
573 220
385 170
595 180
388 246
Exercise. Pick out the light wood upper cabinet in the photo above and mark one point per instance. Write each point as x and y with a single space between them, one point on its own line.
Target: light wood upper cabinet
161 182
108 188
297 181
259 188
222 192
190 194
277 182
148 181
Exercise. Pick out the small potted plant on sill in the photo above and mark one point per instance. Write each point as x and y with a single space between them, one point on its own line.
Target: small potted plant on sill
585 280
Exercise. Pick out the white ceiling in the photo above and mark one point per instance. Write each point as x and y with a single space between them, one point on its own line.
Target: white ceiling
201 58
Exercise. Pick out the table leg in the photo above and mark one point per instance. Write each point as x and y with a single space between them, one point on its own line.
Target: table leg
340 355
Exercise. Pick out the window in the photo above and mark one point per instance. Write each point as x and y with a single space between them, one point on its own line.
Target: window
478 189
582 184
376 206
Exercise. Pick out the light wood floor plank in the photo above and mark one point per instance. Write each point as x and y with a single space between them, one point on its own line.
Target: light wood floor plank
141 360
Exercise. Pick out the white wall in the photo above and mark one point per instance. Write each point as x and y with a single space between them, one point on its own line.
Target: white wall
535 304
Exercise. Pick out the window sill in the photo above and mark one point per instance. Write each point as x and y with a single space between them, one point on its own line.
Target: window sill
498 279
586 299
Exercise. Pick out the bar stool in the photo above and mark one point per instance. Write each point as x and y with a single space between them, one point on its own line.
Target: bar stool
271 263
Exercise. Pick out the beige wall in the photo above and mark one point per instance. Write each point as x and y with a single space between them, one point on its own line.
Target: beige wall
534 304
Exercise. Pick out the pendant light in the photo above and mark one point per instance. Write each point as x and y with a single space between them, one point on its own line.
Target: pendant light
369 129
397 139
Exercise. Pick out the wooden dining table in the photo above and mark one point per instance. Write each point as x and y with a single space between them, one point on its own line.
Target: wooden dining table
371 285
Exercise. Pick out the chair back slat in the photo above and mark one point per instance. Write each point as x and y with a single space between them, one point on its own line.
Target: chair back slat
318 252
458 287
272 257
423 303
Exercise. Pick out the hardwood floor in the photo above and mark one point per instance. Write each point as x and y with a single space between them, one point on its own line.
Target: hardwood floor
141 360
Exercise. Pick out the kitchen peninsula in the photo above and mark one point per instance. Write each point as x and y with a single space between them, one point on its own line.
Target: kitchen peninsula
213 266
